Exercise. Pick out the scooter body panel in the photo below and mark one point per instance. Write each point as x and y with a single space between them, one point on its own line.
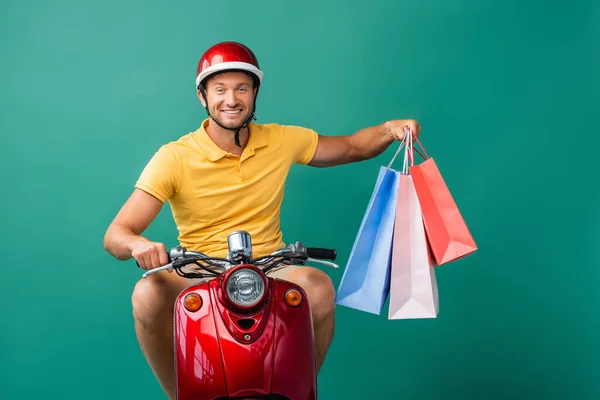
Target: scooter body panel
198 367
294 367
222 352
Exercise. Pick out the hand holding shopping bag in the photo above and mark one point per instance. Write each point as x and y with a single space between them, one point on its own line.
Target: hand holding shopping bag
413 285
447 233
365 283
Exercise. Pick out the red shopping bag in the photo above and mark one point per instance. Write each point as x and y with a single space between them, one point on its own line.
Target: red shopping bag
448 235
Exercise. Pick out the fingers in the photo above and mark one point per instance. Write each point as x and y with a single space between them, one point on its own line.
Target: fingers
143 258
162 252
408 127
399 128
414 126
150 255
154 259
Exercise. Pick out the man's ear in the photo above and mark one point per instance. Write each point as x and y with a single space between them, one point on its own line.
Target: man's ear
201 98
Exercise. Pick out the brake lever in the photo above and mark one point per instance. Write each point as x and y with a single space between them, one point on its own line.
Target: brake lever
301 255
155 270
177 262
327 263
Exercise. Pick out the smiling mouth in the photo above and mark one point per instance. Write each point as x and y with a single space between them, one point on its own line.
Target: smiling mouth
231 112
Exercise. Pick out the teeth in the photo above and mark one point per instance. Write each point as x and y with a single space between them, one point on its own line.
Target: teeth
231 111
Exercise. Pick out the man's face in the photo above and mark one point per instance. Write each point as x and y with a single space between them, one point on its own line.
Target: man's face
230 98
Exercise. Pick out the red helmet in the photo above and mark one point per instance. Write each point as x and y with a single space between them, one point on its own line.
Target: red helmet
227 56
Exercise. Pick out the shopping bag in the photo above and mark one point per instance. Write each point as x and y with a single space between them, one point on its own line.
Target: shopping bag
447 233
413 285
365 282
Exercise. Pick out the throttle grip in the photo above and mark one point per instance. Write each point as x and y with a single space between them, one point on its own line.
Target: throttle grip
325 254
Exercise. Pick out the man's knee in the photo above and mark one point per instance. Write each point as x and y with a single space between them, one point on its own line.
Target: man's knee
152 300
319 289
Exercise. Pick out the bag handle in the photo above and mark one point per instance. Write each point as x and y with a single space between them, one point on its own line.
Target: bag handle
409 151
409 156
409 135
420 145
395 155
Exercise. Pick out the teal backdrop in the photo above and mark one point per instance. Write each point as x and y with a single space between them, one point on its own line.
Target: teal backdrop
507 93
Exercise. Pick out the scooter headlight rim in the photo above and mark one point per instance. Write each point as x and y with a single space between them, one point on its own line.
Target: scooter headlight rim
245 287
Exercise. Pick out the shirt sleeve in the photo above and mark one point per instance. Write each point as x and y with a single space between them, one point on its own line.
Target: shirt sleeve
160 176
302 142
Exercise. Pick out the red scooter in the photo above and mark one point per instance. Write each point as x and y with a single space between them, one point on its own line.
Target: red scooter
243 335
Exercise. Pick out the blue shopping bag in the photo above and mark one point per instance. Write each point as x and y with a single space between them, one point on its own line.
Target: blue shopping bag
366 280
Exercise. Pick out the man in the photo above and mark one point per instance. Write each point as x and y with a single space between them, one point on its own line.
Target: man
228 175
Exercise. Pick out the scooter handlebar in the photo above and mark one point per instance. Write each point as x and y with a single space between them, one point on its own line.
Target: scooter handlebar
179 256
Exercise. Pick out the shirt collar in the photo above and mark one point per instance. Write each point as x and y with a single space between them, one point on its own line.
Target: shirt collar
256 140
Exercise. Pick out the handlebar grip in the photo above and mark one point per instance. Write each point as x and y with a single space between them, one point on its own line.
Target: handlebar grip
168 258
325 254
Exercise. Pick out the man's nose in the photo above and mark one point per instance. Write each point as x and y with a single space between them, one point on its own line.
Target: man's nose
231 99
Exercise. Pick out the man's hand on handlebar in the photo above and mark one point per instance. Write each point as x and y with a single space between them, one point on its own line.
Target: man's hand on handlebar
150 255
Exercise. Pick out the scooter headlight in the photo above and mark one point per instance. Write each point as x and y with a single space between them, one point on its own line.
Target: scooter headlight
245 287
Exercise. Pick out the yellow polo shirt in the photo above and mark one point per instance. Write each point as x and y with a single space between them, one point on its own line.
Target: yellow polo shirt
213 193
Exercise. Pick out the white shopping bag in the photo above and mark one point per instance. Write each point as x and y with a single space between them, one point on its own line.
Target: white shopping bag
413 286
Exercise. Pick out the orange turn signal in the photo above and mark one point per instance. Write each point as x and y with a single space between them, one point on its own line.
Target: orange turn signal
293 298
192 302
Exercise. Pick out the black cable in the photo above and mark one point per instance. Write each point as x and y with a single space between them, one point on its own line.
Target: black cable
273 265
204 267
180 272
192 275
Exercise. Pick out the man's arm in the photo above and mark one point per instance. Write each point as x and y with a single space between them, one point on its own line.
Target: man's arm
362 145
123 238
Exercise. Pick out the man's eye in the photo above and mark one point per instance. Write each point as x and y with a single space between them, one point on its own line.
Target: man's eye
243 90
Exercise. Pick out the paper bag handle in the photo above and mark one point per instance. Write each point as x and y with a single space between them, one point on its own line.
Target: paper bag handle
420 145
402 145
395 155
408 136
